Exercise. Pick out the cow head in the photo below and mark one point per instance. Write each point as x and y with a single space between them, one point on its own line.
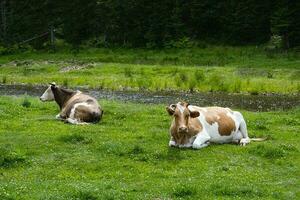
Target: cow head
182 115
48 94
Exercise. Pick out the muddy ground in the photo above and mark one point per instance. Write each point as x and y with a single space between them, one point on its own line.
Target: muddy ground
261 102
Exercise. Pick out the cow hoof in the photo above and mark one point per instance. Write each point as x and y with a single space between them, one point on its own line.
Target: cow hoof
199 146
185 145
172 144
244 141
58 116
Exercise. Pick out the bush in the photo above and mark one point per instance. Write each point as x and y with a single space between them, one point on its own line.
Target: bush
182 43
275 42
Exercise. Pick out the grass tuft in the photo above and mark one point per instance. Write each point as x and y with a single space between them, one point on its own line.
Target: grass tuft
4 79
65 82
26 103
128 72
137 150
184 191
84 195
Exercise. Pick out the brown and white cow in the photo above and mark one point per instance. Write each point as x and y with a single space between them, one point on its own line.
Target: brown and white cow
75 107
196 127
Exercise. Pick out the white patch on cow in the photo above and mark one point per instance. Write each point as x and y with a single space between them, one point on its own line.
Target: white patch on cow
72 113
48 95
180 107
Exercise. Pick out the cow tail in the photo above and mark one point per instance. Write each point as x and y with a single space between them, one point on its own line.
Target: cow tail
258 139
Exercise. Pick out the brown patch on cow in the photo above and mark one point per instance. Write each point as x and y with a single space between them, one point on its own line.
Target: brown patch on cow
219 115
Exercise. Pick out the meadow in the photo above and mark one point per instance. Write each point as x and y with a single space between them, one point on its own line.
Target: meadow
126 156
249 70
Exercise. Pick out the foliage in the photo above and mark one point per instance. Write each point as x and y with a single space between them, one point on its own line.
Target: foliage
152 24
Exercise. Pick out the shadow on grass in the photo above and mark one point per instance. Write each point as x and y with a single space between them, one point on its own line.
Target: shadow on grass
139 153
75 139
243 191
272 152
10 158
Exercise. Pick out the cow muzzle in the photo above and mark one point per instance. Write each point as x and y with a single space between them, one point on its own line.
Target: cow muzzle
183 129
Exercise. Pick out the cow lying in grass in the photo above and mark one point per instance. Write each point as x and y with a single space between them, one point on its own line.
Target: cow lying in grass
196 127
75 107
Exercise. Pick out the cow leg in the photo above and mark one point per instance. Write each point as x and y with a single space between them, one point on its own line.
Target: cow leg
237 137
243 129
172 142
75 121
202 140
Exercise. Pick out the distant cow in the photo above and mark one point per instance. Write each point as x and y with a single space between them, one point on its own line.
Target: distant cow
196 127
75 107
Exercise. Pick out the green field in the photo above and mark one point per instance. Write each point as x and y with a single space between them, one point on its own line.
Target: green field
126 156
232 69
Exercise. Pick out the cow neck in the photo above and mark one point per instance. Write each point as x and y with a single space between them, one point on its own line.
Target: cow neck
61 96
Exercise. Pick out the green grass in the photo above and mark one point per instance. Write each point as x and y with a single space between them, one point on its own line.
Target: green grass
247 56
227 69
126 156
116 76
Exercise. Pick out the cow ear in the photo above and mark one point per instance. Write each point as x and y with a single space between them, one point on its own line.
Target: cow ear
194 114
53 85
171 109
